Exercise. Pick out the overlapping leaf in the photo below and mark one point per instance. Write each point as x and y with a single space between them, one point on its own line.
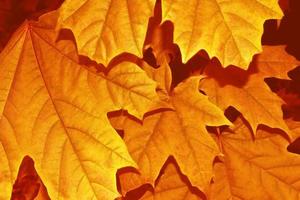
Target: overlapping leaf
275 62
171 186
104 29
247 91
180 132
262 165
54 110
228 30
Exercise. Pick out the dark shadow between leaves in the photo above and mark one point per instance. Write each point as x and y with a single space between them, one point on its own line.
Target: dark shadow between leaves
137 193
66 34
289 92
14 12
140 191
288 31
126 170
28 184
183 178
294 147
118 114
230 75
275 131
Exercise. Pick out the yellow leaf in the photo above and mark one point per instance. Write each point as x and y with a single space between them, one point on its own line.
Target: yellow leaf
228 30
259 168
171 186
163 76
104 29
247 92
180 132
55 111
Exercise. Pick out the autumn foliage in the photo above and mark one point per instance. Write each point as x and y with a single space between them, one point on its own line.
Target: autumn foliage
149 99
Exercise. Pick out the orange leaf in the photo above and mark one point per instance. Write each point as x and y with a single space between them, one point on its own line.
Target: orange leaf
163 77
228 30
104 29
180 132
274 61
55 111
246 90
171 186
259 168
294 126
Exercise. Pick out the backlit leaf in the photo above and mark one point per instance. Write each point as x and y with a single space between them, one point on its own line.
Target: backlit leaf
180 132
259 168
54 110
229 30
104 29
247 92
171 186
274 61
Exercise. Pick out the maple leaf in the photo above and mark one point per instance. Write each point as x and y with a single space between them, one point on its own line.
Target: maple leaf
179 132
295 131
171 186
255 169
58 110
160 38
274 61
247 89
54 110
162 75
226 29
294 126
114 27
